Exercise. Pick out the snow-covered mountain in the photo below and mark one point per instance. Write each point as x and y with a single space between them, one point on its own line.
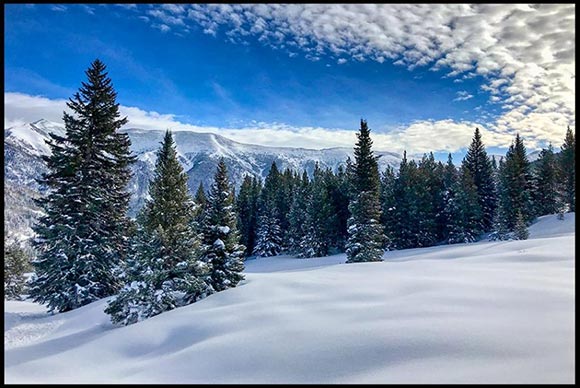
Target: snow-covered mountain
199 154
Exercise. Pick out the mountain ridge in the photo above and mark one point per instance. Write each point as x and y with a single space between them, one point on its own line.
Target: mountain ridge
198 152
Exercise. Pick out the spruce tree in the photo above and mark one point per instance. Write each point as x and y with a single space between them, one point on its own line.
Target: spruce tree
515 186
269 233
81 238
220 247
283 200
297 216
320 218
388 206
501 229
428 189
365 241
567 170
16 264
481 169
521 229
465 214
451 208
405 217
546 197
199 206
340 199
247 208
164 271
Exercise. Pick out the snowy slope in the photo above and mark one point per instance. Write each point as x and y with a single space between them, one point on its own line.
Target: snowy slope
490 312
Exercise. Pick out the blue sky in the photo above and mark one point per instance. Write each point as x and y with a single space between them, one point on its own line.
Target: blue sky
202 68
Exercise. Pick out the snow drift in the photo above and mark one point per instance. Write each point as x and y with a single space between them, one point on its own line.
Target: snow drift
489 312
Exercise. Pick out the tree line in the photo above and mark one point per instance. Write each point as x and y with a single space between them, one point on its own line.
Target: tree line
182 248
423 203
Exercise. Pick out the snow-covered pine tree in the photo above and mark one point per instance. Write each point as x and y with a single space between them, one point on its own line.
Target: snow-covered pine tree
465 214
501 229
247 209
82 236
480 167
546 198
16 264
514 191
521 229
164 271
283 200
517 184
297 216
406 212
269 233
567 170
365 241
200 200
340 198
429 189
320 220
450 209
220 246
388 207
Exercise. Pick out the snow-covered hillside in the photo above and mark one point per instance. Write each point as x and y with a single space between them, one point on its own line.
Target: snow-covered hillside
489 312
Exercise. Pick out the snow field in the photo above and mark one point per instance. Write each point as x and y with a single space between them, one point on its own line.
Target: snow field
489 312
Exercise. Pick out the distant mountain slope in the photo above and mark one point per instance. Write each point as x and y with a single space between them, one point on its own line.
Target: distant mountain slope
199 154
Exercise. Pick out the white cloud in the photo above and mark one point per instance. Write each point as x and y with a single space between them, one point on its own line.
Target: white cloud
463 95
525 53
58 8
417 137
127 6
161 27
87 9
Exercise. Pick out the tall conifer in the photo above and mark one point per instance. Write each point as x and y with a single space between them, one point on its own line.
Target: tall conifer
365 241
82 237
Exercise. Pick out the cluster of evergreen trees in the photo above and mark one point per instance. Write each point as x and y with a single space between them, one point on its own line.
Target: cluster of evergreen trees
182 248
424 203
176 252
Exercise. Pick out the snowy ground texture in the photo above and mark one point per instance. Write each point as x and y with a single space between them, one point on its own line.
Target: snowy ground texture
489 312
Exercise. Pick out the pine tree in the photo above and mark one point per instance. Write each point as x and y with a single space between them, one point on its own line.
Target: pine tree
450 210
283 201
465 214
340 199
82 236
481 169
545 185
269 233
515 186
521 229
406 212
388 206
567 170
221 249
200 200
320 218
501 229
297 216
16 264
164 271
247 208
365 241
429 189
